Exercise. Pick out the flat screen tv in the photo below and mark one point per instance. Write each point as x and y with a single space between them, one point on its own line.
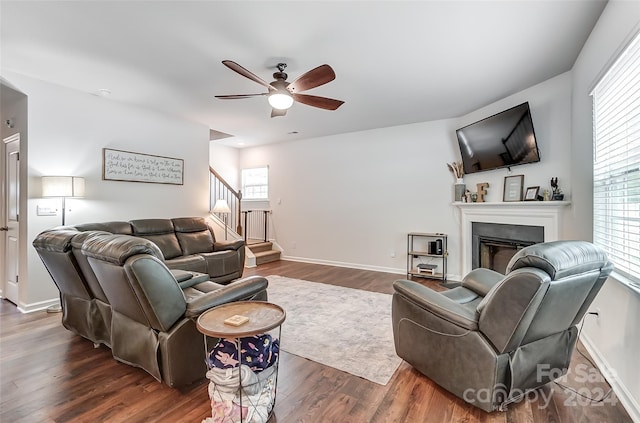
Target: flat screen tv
503 140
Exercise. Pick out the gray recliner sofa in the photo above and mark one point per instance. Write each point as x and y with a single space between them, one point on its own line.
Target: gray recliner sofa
86 297
495 337
187 243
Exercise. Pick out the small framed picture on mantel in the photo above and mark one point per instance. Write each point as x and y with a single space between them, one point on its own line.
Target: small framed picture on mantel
531 194
513 188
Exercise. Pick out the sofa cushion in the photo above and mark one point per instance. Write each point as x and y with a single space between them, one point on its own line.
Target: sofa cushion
123 228
193 262
58 241
161 233
222 262
193 235
76 243
117 248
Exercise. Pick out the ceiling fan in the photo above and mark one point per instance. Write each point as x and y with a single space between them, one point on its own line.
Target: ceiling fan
282 94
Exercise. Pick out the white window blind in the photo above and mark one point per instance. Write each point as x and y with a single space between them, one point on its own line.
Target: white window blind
616 167
255 183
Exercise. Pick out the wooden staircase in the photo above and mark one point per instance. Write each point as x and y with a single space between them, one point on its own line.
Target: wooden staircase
263 251
252 225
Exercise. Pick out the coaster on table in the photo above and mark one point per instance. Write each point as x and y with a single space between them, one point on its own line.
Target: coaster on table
236 320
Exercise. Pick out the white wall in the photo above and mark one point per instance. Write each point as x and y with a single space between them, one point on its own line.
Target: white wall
350 199
614 338
67 131
225 160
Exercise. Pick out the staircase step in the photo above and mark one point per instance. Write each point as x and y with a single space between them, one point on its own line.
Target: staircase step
260 246
263 257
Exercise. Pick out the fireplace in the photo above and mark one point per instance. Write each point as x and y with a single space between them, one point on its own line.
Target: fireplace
493 244
545 214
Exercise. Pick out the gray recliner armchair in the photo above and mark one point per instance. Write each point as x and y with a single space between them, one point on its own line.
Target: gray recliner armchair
497 336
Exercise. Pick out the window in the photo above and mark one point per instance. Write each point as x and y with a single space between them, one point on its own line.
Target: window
616 166
255 183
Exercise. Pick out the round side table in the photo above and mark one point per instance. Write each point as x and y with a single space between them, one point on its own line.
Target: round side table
262 318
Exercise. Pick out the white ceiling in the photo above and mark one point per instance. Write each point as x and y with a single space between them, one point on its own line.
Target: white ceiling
396 62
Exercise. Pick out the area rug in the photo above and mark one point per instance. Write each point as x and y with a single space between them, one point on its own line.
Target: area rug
344 328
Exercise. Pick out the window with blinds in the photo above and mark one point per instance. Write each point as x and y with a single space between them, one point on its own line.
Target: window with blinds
616 166
255 183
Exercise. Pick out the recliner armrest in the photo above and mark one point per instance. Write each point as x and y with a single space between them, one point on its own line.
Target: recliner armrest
437 304
235 291
187 278
228 245
481 280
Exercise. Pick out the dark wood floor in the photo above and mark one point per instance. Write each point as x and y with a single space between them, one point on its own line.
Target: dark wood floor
47 374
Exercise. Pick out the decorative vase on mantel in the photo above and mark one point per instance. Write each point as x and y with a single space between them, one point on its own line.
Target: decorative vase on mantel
459 190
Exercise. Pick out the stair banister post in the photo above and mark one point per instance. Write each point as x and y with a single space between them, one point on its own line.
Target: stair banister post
245 225
266 212
240 227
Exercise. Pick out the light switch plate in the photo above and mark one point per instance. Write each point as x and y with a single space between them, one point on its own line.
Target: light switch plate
46 211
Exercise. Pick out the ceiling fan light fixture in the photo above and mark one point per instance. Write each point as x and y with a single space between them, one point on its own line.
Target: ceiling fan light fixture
282 94
281 101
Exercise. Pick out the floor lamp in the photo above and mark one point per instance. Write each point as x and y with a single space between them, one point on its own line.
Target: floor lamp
222 207
62 187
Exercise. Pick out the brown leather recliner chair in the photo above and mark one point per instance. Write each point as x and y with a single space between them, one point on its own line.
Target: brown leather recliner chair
497 336
152 322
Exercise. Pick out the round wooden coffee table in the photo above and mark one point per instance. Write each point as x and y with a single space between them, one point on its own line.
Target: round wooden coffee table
244 319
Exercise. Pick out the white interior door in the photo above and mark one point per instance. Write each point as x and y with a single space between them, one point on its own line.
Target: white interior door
11 212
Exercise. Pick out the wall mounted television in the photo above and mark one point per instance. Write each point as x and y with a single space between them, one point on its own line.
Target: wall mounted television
503 140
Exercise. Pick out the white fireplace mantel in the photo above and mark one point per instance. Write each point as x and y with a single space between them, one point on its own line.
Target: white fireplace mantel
547 214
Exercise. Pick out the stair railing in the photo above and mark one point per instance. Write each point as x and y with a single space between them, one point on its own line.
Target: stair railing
256 224
221 190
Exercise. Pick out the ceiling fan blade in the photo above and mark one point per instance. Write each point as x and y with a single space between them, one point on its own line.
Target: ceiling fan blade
236 96
278 112
242 71
314 78
315 101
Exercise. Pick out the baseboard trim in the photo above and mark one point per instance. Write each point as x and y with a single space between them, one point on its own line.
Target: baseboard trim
394 270
342 264
628 402
39 306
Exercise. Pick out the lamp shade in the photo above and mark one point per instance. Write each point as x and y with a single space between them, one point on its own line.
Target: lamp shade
221 206
62 186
